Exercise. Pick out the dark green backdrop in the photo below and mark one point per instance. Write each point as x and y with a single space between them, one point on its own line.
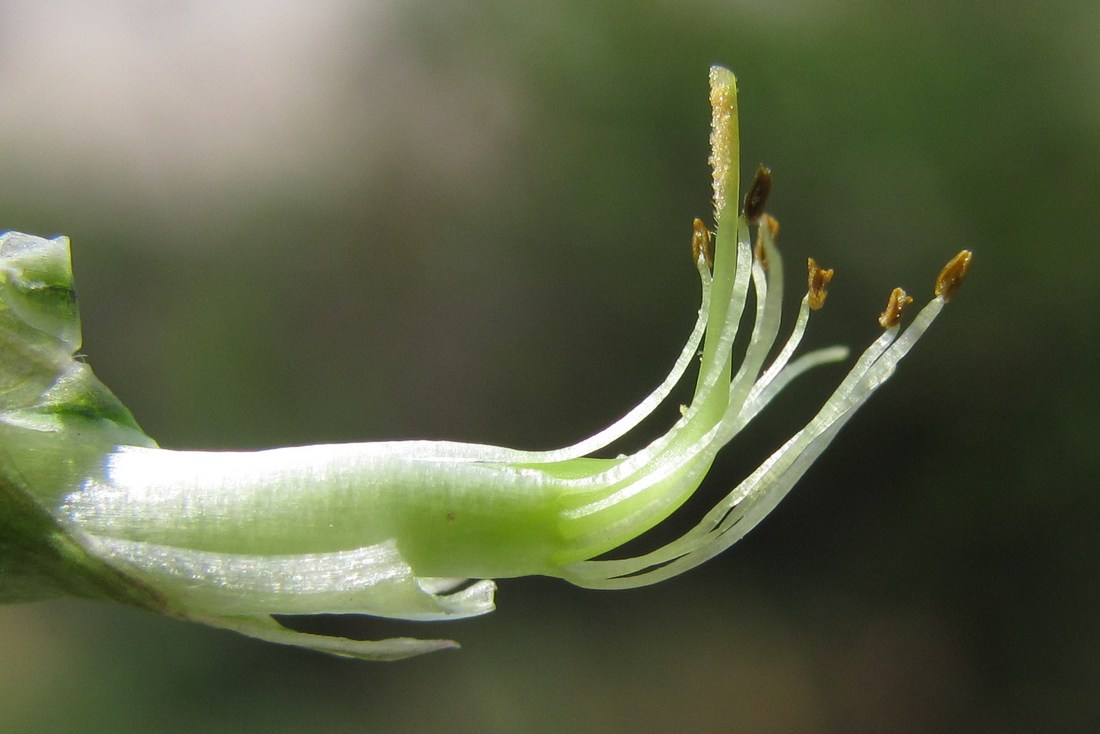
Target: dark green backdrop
348 221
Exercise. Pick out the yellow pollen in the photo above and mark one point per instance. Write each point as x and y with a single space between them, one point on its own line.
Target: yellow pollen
724 139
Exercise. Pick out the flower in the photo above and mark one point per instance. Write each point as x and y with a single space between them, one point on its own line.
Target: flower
89 505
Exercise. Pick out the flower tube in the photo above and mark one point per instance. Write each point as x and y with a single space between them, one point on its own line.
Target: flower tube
418 530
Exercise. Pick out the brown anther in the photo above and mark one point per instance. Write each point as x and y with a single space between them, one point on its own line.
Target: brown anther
818 284
772 225
757 195
701 243
759 251
951 277
899 299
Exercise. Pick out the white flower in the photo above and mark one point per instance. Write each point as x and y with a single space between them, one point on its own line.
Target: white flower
416 529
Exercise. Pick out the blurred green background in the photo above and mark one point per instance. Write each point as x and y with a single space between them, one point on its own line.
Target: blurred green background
336 221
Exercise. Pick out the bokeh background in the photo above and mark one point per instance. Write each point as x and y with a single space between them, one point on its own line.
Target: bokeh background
340 220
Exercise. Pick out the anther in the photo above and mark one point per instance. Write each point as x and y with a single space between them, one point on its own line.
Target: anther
759 251
757 195
701 243
899 299
818 284
951 277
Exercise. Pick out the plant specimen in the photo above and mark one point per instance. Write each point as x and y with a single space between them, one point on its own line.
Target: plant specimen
91 506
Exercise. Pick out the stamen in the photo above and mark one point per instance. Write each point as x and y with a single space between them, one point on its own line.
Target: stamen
951 277
899 299
818 280
757 195
701 243
767 221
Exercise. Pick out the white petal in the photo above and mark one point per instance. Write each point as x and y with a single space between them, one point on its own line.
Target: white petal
370 580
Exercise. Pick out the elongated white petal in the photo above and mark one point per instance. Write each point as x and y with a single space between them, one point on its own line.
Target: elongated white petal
768 386
410 529
769 310
267 629
710 381
371 580
740 511
458 451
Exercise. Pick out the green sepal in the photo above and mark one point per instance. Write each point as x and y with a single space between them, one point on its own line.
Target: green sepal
42 382
57 422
